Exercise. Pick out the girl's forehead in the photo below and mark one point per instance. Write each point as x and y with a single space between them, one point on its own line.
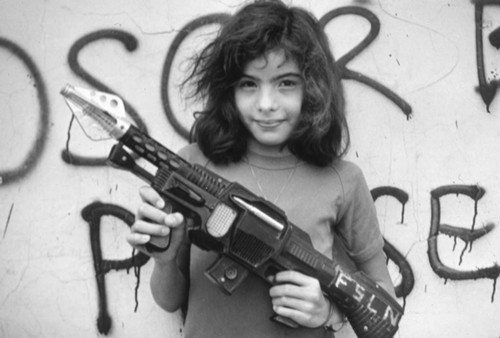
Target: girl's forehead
274 59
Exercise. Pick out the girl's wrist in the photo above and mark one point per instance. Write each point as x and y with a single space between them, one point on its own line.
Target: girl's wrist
166 263
335 320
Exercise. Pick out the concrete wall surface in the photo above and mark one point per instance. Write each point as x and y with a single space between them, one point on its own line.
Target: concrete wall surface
420 80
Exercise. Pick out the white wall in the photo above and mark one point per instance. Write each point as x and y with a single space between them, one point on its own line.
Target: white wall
425 53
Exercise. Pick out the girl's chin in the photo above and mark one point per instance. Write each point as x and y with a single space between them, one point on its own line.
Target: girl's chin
269 143
270 140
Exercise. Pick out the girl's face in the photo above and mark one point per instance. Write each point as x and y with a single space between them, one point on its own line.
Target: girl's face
269 98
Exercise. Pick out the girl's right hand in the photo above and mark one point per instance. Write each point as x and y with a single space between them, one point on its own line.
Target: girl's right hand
152 220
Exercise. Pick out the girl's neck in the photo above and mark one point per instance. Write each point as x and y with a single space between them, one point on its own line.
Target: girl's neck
270 157
268 151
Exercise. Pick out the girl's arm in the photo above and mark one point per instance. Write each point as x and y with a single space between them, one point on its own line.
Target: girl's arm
169 280
376 268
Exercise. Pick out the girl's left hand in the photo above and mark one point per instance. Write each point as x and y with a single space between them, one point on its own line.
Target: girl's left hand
300 298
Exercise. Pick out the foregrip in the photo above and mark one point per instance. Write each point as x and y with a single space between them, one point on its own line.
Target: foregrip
371 311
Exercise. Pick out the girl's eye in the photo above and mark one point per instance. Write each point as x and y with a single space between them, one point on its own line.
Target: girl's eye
289 83
246 84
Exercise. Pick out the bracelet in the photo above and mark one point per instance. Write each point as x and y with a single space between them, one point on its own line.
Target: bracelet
329 327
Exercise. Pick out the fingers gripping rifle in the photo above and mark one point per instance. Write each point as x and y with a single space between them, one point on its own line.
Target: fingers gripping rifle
249 233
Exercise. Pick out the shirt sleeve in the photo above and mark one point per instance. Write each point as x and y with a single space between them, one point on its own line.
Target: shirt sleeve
358 226
193 154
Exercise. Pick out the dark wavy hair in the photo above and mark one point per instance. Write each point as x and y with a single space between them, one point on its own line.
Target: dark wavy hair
321 134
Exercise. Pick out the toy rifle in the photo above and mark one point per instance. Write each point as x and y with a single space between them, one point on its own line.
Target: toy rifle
249 233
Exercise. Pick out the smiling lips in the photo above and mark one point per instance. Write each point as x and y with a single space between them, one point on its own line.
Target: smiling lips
269 123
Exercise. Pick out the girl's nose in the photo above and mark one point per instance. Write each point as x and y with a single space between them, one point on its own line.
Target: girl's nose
266 101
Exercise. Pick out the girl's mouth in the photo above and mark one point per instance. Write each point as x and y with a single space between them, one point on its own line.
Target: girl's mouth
269 123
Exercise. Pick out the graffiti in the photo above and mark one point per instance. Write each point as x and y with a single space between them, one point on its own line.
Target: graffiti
93 213
130 43
34 155
340 65
404 288
487 90
468 236
494 38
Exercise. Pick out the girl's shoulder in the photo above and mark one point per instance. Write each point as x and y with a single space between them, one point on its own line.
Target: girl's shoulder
346 169
350 175
193 154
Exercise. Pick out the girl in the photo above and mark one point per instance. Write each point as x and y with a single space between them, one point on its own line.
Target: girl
274 122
